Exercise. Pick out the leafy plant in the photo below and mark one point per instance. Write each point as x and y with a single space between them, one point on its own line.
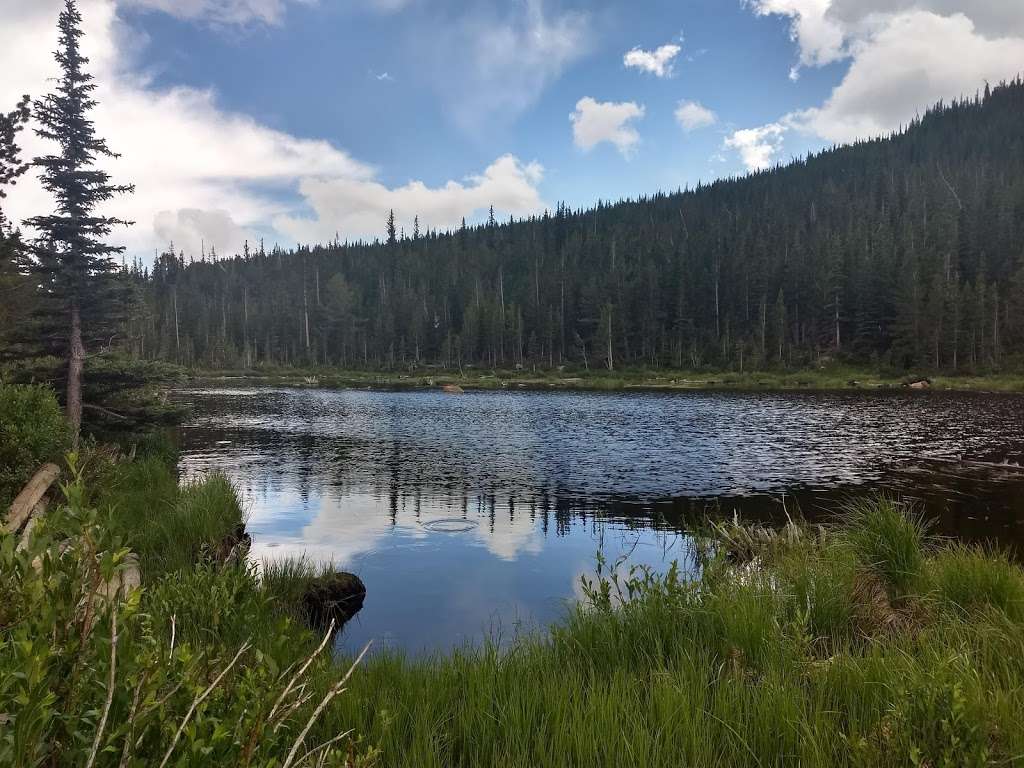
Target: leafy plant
32 432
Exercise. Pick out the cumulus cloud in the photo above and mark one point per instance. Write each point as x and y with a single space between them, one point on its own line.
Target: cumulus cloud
203 175
659 62
594 122
362 205
757 147
991 18
904 56
692 115
906 67
820 38
489 66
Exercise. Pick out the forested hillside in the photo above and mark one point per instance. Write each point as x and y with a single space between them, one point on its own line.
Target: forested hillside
905 251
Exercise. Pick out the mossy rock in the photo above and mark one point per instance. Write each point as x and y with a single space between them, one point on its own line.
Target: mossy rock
337 596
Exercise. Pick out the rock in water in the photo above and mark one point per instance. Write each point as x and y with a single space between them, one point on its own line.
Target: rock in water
453 389
337 596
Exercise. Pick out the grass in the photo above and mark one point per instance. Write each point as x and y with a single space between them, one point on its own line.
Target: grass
171 527
868 644
889 538
786 659
833 376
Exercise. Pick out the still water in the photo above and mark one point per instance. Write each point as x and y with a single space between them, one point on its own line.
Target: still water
477 515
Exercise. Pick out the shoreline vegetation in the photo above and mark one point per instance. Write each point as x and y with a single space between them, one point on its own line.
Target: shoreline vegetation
866 642
826 378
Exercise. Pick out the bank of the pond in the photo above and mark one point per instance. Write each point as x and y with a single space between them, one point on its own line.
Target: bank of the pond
864 644
828 378
867 644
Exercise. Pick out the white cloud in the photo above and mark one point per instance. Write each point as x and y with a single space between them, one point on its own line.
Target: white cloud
221 11
594 122
362 205
758 147
904 56
659 62
488 67
906 67
992 18
820 37
692 115
204 175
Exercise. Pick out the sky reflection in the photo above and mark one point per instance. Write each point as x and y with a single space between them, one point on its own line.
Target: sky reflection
533 484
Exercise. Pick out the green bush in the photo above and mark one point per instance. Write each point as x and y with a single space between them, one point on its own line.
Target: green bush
32 432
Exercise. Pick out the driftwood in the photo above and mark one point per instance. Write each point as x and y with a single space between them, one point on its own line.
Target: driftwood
25 504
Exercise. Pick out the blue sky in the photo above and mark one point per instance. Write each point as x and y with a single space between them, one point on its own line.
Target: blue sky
293 120
316 76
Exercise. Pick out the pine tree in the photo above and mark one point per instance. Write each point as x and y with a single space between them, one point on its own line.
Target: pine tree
392 232
15 289
11 166
72 258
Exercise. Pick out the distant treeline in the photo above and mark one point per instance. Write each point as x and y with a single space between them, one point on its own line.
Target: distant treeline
906 251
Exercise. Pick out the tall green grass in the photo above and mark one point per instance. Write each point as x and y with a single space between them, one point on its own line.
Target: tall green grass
172 527
887 537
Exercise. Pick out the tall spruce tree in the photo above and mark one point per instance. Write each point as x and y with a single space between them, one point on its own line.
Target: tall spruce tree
392 233
11 165
14 287
72 257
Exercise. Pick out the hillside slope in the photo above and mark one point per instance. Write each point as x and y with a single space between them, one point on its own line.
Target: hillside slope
906 250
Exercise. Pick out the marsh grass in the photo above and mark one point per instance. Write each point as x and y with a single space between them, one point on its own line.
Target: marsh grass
972 578
172 527
889 537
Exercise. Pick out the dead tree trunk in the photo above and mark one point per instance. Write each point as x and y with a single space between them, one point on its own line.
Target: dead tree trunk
76 363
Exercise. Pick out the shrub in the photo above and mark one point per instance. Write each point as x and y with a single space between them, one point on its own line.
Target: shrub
32 432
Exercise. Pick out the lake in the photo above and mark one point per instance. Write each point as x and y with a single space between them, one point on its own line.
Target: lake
477 515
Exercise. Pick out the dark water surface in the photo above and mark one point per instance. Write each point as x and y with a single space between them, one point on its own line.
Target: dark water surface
478 514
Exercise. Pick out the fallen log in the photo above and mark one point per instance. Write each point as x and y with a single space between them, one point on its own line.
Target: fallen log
24 505
26 532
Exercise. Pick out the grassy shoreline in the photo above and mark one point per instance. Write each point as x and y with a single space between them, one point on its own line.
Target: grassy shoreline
830 378
864 643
